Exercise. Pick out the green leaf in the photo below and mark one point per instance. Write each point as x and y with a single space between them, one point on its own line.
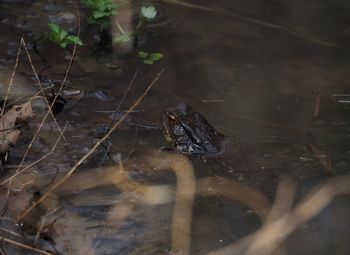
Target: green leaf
150 58
63 34
148 12
143 54
55 33
72 39
148 61
54 28
101 11
63 44
55 38
156 56
100 14
62 37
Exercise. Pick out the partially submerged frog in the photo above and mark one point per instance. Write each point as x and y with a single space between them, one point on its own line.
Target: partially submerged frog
257 164
190 133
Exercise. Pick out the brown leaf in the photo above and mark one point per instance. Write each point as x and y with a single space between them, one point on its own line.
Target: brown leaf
10 139
9 135
8 120
24 111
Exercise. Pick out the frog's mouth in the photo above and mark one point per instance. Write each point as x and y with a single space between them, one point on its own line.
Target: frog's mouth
165 128
168 137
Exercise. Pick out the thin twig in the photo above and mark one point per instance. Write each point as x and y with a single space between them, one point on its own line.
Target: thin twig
41 226
270 235
49 111
117 109
97 144
57 94
35 162
10 232
30 99
25 246
125 94
18 172
11 80
317 105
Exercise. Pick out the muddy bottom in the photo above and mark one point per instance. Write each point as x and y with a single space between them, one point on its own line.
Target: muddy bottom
272 76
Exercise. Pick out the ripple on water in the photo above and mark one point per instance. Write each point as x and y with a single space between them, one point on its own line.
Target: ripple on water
289 149
164 15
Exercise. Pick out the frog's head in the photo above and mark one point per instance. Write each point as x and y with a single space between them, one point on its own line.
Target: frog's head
189 132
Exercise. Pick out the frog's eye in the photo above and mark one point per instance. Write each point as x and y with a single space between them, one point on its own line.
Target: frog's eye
171 117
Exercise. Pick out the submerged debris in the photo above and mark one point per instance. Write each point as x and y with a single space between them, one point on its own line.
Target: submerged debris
342 100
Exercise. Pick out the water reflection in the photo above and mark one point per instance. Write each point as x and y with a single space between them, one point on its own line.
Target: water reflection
254 69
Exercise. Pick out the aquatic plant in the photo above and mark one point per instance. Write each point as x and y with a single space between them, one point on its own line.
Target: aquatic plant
61 37
102 10
150 58
148 12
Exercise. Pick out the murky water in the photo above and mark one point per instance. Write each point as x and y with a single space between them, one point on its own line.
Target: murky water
272 74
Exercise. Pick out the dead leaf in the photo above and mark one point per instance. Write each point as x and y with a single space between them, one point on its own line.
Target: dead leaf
9 135
24 111
8 120
10 139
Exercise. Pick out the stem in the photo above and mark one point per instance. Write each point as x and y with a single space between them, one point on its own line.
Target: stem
139 25
121 29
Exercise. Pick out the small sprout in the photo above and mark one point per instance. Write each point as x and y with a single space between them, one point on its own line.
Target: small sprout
60 36
150 58
148 12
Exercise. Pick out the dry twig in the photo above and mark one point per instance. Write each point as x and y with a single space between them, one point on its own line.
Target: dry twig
271 234
35 162
97 144
25 246
49 111
11 80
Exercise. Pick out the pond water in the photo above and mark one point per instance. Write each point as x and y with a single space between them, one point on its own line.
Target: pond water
273 75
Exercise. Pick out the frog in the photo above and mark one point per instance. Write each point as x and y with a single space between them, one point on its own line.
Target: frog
190 133
214 153
255 164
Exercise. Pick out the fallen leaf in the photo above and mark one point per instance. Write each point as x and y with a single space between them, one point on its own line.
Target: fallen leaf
9 134
9 140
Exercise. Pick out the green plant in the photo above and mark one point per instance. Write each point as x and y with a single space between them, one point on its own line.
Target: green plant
148 12
150 58
124 37
60 36
102 10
